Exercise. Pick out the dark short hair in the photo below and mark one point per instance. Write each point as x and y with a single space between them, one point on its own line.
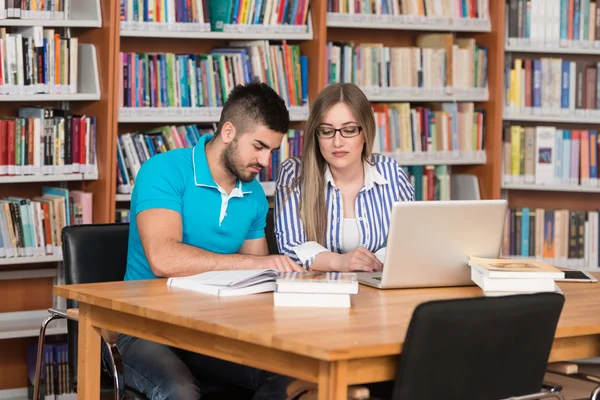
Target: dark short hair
252 104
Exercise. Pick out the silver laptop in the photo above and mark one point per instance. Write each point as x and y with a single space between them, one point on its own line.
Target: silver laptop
429 242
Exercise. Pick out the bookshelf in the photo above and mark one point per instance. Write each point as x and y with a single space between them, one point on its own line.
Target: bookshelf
102 33
550 150
26 281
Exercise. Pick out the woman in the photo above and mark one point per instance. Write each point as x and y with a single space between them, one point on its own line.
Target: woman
333 206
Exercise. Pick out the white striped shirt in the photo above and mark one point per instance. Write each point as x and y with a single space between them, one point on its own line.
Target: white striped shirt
385 183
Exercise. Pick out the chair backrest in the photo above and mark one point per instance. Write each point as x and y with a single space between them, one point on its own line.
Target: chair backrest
270 232
478 348
91 254
464 187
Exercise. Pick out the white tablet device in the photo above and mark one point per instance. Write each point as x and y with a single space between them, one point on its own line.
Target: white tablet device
572 275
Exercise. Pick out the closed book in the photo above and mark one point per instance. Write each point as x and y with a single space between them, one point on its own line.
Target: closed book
311 300
511 284
317 282
515 268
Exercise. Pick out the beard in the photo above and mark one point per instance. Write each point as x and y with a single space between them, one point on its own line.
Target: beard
231 160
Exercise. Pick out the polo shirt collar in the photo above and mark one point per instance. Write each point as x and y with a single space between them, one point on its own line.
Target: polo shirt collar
372 176
202 175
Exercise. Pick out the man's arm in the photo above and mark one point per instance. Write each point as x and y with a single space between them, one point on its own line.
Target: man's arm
255 247
160 233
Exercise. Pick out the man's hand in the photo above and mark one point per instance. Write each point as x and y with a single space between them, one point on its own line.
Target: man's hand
359 259
280 263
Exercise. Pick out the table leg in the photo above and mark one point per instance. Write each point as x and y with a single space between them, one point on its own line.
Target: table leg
88 357
333 380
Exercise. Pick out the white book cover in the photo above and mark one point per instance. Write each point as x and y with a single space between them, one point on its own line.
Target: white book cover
544 154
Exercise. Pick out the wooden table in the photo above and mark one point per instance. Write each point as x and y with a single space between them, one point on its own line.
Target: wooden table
332 347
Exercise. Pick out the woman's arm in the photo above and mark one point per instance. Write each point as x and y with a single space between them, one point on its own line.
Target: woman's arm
289 232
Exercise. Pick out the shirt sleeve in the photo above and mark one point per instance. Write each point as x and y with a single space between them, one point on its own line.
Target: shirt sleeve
257 229
405 188
159 184
289 232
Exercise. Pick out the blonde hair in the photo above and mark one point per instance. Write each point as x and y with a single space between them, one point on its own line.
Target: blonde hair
312 198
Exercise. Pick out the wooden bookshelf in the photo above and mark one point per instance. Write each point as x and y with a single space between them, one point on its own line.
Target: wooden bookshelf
582 50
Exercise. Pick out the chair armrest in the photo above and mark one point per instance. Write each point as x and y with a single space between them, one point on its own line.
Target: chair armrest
552 387
563 368
73 314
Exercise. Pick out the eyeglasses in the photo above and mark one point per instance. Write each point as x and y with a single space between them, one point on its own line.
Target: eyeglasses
326 132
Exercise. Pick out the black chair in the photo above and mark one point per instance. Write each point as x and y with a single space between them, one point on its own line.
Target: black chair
479 348
270 232
98 253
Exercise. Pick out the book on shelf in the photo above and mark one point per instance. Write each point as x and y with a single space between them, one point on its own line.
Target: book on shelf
258 12
54 378
214 15
36 60
446 9
562 237
552 86
439 62
546 156
553 23
43 140
512 276
168 80
31 10
435 128
122 216
243 282
430 182
32 227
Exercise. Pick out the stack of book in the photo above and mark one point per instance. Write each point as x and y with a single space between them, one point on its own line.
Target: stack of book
498 277
292 289
315 289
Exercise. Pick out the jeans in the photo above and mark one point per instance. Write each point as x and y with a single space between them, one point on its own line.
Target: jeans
161 372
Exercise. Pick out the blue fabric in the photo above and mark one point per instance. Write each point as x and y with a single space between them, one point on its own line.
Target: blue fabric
163 372
180 180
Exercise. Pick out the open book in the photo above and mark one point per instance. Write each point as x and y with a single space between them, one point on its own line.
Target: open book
237 283
228 283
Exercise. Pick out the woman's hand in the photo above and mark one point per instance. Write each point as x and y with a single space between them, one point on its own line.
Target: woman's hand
359 259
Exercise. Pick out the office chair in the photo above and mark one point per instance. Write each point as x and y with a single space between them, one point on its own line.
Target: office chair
98 253
583 370
479 348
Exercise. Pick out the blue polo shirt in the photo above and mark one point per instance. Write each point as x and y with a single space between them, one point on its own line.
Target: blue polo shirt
180 180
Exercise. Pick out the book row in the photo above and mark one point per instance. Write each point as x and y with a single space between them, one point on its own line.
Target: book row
552 84
34 10
37 60
55 380
133 149
162 80
567 238
42 141
427 8
431 182
291 146
32 227
545 155
437 61
441 127
217 13
553 22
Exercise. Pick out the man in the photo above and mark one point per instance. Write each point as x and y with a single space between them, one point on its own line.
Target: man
197 210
